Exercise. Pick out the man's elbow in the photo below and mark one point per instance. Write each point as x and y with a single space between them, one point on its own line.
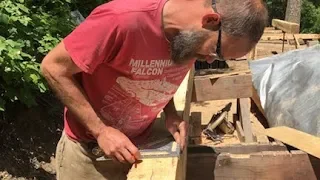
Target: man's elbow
45 67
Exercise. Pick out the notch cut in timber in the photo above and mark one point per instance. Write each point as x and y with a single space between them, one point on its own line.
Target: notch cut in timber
218 87
267 165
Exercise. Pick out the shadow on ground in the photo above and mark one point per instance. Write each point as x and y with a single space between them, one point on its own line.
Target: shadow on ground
28 139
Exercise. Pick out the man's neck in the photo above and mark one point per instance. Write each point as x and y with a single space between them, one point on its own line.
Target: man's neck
181 15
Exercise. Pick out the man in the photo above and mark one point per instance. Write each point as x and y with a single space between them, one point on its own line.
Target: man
119 68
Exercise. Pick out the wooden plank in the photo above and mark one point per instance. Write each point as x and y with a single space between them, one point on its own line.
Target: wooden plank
288 27
296 41
240 131
312 43
195 128
267 165
289 37
308 36
245 119
228 87
298 139
157 168
272 31
270 28
241 148
182 163
171 168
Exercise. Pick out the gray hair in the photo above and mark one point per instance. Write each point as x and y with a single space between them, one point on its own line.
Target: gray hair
242 18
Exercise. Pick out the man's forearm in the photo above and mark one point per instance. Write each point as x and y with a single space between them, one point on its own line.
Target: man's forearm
71 94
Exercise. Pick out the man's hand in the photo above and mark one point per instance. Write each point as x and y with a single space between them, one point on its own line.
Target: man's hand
178 128
117 146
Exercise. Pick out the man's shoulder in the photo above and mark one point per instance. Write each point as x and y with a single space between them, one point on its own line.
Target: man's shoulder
128 14
123 7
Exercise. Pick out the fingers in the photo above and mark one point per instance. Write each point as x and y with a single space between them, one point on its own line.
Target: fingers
176 136
183 134
128 156
133 150
119 157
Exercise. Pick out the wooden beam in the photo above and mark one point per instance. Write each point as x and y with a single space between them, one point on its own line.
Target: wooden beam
244 115
169 168
266 165
240 132
182 163
266 31
295 138
195 131
241 148
289 36
297 44
288 27
228 87
157 169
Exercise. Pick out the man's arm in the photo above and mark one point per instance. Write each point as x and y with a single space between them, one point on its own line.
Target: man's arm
59 70
175 124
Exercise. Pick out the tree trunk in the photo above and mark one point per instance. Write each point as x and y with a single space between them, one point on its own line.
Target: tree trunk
293 11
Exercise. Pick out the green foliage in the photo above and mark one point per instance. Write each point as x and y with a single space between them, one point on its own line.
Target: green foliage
310 13
310 19
276 9
29 29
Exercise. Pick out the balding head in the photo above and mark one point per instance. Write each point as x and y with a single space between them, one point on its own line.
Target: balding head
242 18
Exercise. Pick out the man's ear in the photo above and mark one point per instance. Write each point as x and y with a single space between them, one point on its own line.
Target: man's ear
211 21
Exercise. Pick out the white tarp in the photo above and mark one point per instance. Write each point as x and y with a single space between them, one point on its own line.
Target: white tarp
289 88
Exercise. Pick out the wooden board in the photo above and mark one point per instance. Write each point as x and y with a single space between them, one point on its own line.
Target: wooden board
195 130
272 31
240 148
295 138
289 36
227 87
169 168
288 27
245 119
182 163
161 168
266 165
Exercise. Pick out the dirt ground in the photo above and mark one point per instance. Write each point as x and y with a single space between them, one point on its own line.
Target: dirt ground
29 141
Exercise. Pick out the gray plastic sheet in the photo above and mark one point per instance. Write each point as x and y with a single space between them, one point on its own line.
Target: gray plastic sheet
289 88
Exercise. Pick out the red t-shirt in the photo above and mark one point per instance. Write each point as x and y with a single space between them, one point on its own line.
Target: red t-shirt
127 72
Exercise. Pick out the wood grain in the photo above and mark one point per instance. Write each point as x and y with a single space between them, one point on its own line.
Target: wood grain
266 165
288 27
227 87
245 119
298 139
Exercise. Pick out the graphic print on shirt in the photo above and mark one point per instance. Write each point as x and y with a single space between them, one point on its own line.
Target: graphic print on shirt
130 105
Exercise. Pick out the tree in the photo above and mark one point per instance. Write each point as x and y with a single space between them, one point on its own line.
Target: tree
293 11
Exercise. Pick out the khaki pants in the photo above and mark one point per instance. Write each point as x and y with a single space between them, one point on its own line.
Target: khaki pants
74 161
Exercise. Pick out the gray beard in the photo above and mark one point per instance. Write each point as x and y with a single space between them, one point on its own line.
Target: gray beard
186 44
